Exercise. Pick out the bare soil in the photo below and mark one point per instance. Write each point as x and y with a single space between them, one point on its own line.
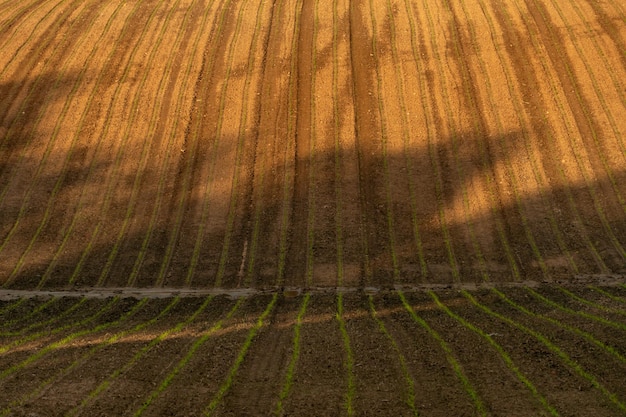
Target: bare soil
343 162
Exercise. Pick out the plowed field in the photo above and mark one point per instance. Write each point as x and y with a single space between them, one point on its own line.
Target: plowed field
393 207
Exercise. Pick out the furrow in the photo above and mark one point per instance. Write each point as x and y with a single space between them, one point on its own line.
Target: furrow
589 316
170 152
410 393
242 143
350 392
562 355
572 329
293 362
83 359
431 131
504 355
68 339
232 373
44 334
452 360
117 373
190 161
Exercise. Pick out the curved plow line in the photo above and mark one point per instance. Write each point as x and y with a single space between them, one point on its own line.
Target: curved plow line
621 48
555 95
458 167
37 310
35 56
479 127
616 85
454 363
240 140
54 319
384 139
37 392
104 385
589 316
554 349
12 306
310 233
586 110
23 15
537 169
41 47
591 303
75 139
116 163
156 109
147 145
489 181
16 14
2 51
209 181
434 160
68 339
41 111
507 163
349 363
295 356
49 148
47 333
225 387
608 294
183 362
365 264
261 174
515 100
218 25
505 356
587 336
289 150
159 195
338 151
408 379
124 140
400 90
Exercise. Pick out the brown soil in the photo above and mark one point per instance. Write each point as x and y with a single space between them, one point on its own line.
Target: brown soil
168 151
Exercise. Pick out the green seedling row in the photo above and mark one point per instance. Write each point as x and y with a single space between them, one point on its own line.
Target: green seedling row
584 314
349 358
452 360
109 380
47 333
59 376
408 379
585 335
185 360
567 360
191 142
232 373
54 318
295 355
68 339
505 356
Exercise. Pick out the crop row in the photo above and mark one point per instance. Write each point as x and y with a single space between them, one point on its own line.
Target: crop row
485 347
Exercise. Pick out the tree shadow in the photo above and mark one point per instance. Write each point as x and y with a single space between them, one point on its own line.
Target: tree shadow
431 215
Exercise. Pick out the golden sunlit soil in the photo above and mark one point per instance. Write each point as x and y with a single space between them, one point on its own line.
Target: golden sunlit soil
274 155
